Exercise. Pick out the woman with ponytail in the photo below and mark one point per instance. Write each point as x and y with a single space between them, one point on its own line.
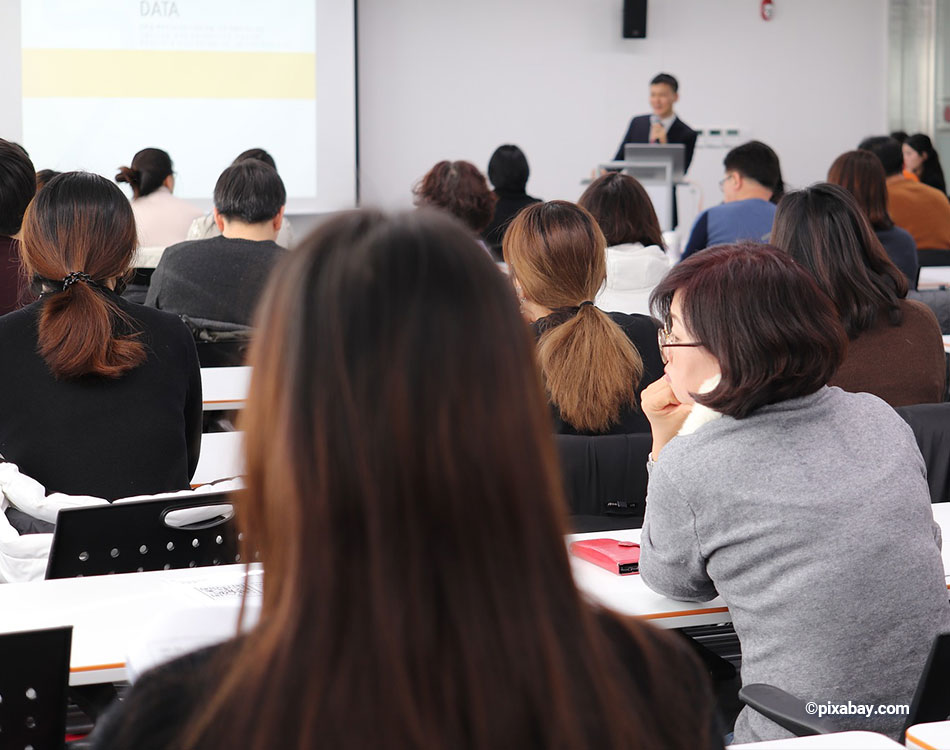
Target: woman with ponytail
594 363
98 396
161 218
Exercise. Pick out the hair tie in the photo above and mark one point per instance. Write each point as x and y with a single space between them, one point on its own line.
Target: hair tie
74 276
585 302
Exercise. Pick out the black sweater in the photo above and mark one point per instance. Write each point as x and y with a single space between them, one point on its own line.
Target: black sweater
111 438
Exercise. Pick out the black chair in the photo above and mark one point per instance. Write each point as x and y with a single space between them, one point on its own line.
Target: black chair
931 426
931 699
929 257
33 685
219 344
144 535
605 480
938 300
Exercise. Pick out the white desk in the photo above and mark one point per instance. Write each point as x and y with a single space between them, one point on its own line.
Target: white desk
934 735
221 457
933 277
108 612
630 596
835 741
224 387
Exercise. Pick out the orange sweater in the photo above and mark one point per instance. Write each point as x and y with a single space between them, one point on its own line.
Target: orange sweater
922 210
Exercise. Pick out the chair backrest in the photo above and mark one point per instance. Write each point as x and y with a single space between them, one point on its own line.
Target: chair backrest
932 698
605 479
33 684
938 300
931 426
219 343
144 535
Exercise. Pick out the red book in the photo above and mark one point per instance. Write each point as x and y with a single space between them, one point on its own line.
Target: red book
622 558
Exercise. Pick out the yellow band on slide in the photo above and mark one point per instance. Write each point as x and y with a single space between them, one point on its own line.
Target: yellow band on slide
171 74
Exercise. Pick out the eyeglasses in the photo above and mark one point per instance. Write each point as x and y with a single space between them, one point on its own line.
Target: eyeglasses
726 179
665 338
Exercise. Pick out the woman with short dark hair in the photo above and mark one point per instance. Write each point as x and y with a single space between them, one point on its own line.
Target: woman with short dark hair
161 218
98 396
404 495
594 364
805 507
458 188
862 174
508 172
895 349
636 260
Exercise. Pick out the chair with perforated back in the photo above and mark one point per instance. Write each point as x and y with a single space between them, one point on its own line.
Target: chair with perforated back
144 535
33 684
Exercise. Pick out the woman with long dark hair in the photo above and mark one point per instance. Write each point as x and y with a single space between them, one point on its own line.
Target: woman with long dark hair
98 396
161 218
594 363
862 174
403 494
922 160
895 350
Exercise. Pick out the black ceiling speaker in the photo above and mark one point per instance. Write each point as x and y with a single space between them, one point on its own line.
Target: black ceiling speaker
634 19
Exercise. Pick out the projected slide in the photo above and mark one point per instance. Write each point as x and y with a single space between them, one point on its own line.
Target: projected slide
201 79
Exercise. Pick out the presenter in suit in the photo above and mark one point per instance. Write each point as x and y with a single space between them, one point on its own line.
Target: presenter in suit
662 126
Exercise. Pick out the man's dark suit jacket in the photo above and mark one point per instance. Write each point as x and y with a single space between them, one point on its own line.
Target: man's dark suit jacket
679 132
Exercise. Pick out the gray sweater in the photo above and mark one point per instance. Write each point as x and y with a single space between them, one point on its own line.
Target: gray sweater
811 518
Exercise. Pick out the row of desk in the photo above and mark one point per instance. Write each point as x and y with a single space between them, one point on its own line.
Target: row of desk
109 613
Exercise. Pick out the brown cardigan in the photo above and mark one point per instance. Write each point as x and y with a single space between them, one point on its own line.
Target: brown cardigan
902 364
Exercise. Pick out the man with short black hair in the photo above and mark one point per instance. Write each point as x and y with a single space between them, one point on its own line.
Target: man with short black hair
921 210
750 189
17 187
662 126
221 278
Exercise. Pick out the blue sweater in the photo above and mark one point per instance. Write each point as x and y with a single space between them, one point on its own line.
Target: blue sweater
726 223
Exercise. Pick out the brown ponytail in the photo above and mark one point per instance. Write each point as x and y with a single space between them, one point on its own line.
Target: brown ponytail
591 369
80 222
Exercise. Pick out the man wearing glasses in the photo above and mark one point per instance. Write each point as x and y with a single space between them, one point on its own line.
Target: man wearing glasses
751 187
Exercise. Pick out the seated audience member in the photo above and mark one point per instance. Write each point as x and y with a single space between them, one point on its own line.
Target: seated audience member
895 349
920 209
98 396
508 172
418 591
204 227
458 188
44 176
636 260
922 160
861 174
594 364
752 186
220 279
160 218
774 491
17 187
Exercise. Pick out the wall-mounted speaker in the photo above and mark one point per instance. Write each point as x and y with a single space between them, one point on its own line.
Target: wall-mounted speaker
634 19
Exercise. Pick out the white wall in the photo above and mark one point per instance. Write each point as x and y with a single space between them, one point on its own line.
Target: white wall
453 79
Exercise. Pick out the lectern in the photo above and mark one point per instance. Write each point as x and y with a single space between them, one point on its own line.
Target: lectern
658 167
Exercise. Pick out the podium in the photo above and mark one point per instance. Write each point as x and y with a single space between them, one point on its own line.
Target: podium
658 167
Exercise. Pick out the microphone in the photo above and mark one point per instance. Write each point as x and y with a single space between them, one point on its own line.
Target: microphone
654 120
